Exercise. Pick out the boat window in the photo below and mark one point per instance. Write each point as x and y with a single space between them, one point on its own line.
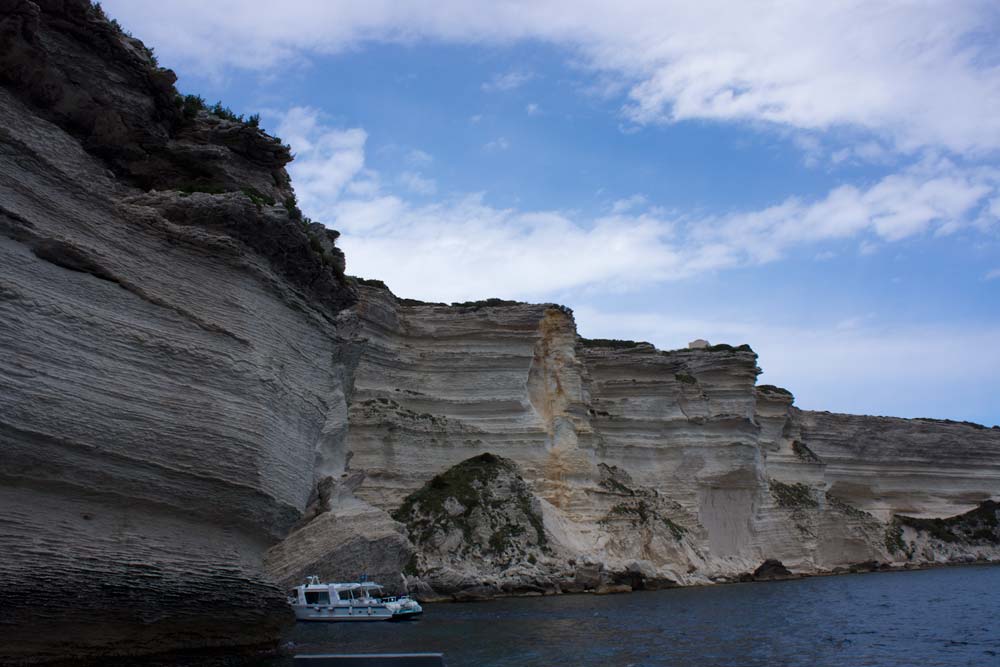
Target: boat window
317 597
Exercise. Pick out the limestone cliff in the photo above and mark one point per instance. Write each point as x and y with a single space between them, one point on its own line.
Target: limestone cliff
649 467
173 362
196 408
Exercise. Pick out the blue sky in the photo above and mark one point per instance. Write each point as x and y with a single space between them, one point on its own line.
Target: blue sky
822 184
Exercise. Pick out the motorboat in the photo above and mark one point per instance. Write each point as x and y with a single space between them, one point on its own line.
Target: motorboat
348 601
403 607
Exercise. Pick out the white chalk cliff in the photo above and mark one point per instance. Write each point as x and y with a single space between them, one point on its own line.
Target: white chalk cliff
654 466
198 407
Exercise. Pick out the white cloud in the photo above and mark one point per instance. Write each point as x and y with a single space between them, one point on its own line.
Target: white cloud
508 81
462 247
498 144
929 195
629 204
911 74
868 248
326 159
417 184
418 157
992 275
532 109
995 208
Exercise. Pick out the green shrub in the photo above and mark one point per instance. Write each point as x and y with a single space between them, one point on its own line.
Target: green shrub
191 105
609 342
258 197
725 347
676 530
792 496
469 482
613 485
686 378
225 112
485 303
894 538
980 523
804 453
938 529
638 512
411 569
370 282
850 510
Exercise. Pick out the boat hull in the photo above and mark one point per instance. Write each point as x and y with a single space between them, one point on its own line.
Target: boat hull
341 613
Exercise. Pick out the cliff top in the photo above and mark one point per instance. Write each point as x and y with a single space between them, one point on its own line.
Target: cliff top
198 164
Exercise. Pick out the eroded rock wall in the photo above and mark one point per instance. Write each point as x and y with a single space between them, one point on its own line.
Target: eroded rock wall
189 416
887 465
173 361
673 464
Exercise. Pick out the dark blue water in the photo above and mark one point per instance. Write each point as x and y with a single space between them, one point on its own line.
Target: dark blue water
945 616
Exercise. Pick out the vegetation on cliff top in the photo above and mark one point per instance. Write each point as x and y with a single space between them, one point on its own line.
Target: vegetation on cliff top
486 303
369 282
725 347
189 105
613 343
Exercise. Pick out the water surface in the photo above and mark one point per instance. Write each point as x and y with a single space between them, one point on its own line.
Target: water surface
940 617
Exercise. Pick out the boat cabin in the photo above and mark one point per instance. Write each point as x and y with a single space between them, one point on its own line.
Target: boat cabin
316 593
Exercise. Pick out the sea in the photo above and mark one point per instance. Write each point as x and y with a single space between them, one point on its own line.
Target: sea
941 617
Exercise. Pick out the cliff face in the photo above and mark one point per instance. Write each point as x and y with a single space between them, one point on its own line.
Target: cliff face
650 468
172 365
196 408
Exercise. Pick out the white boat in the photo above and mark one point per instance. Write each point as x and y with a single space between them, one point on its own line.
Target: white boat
353 601
403 607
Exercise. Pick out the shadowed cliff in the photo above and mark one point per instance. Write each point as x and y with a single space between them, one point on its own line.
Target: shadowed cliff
173 361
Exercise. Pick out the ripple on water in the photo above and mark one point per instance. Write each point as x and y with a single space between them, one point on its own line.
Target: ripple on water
940 617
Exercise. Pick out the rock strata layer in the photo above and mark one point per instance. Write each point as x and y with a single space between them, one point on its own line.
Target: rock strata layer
173 361
649 468
196 409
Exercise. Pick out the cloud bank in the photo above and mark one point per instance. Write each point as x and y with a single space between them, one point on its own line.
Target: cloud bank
461 247
914 74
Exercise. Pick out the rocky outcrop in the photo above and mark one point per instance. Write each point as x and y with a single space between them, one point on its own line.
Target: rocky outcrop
968 537
477 527
340 538
195 408
650 468
771 570
174 364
